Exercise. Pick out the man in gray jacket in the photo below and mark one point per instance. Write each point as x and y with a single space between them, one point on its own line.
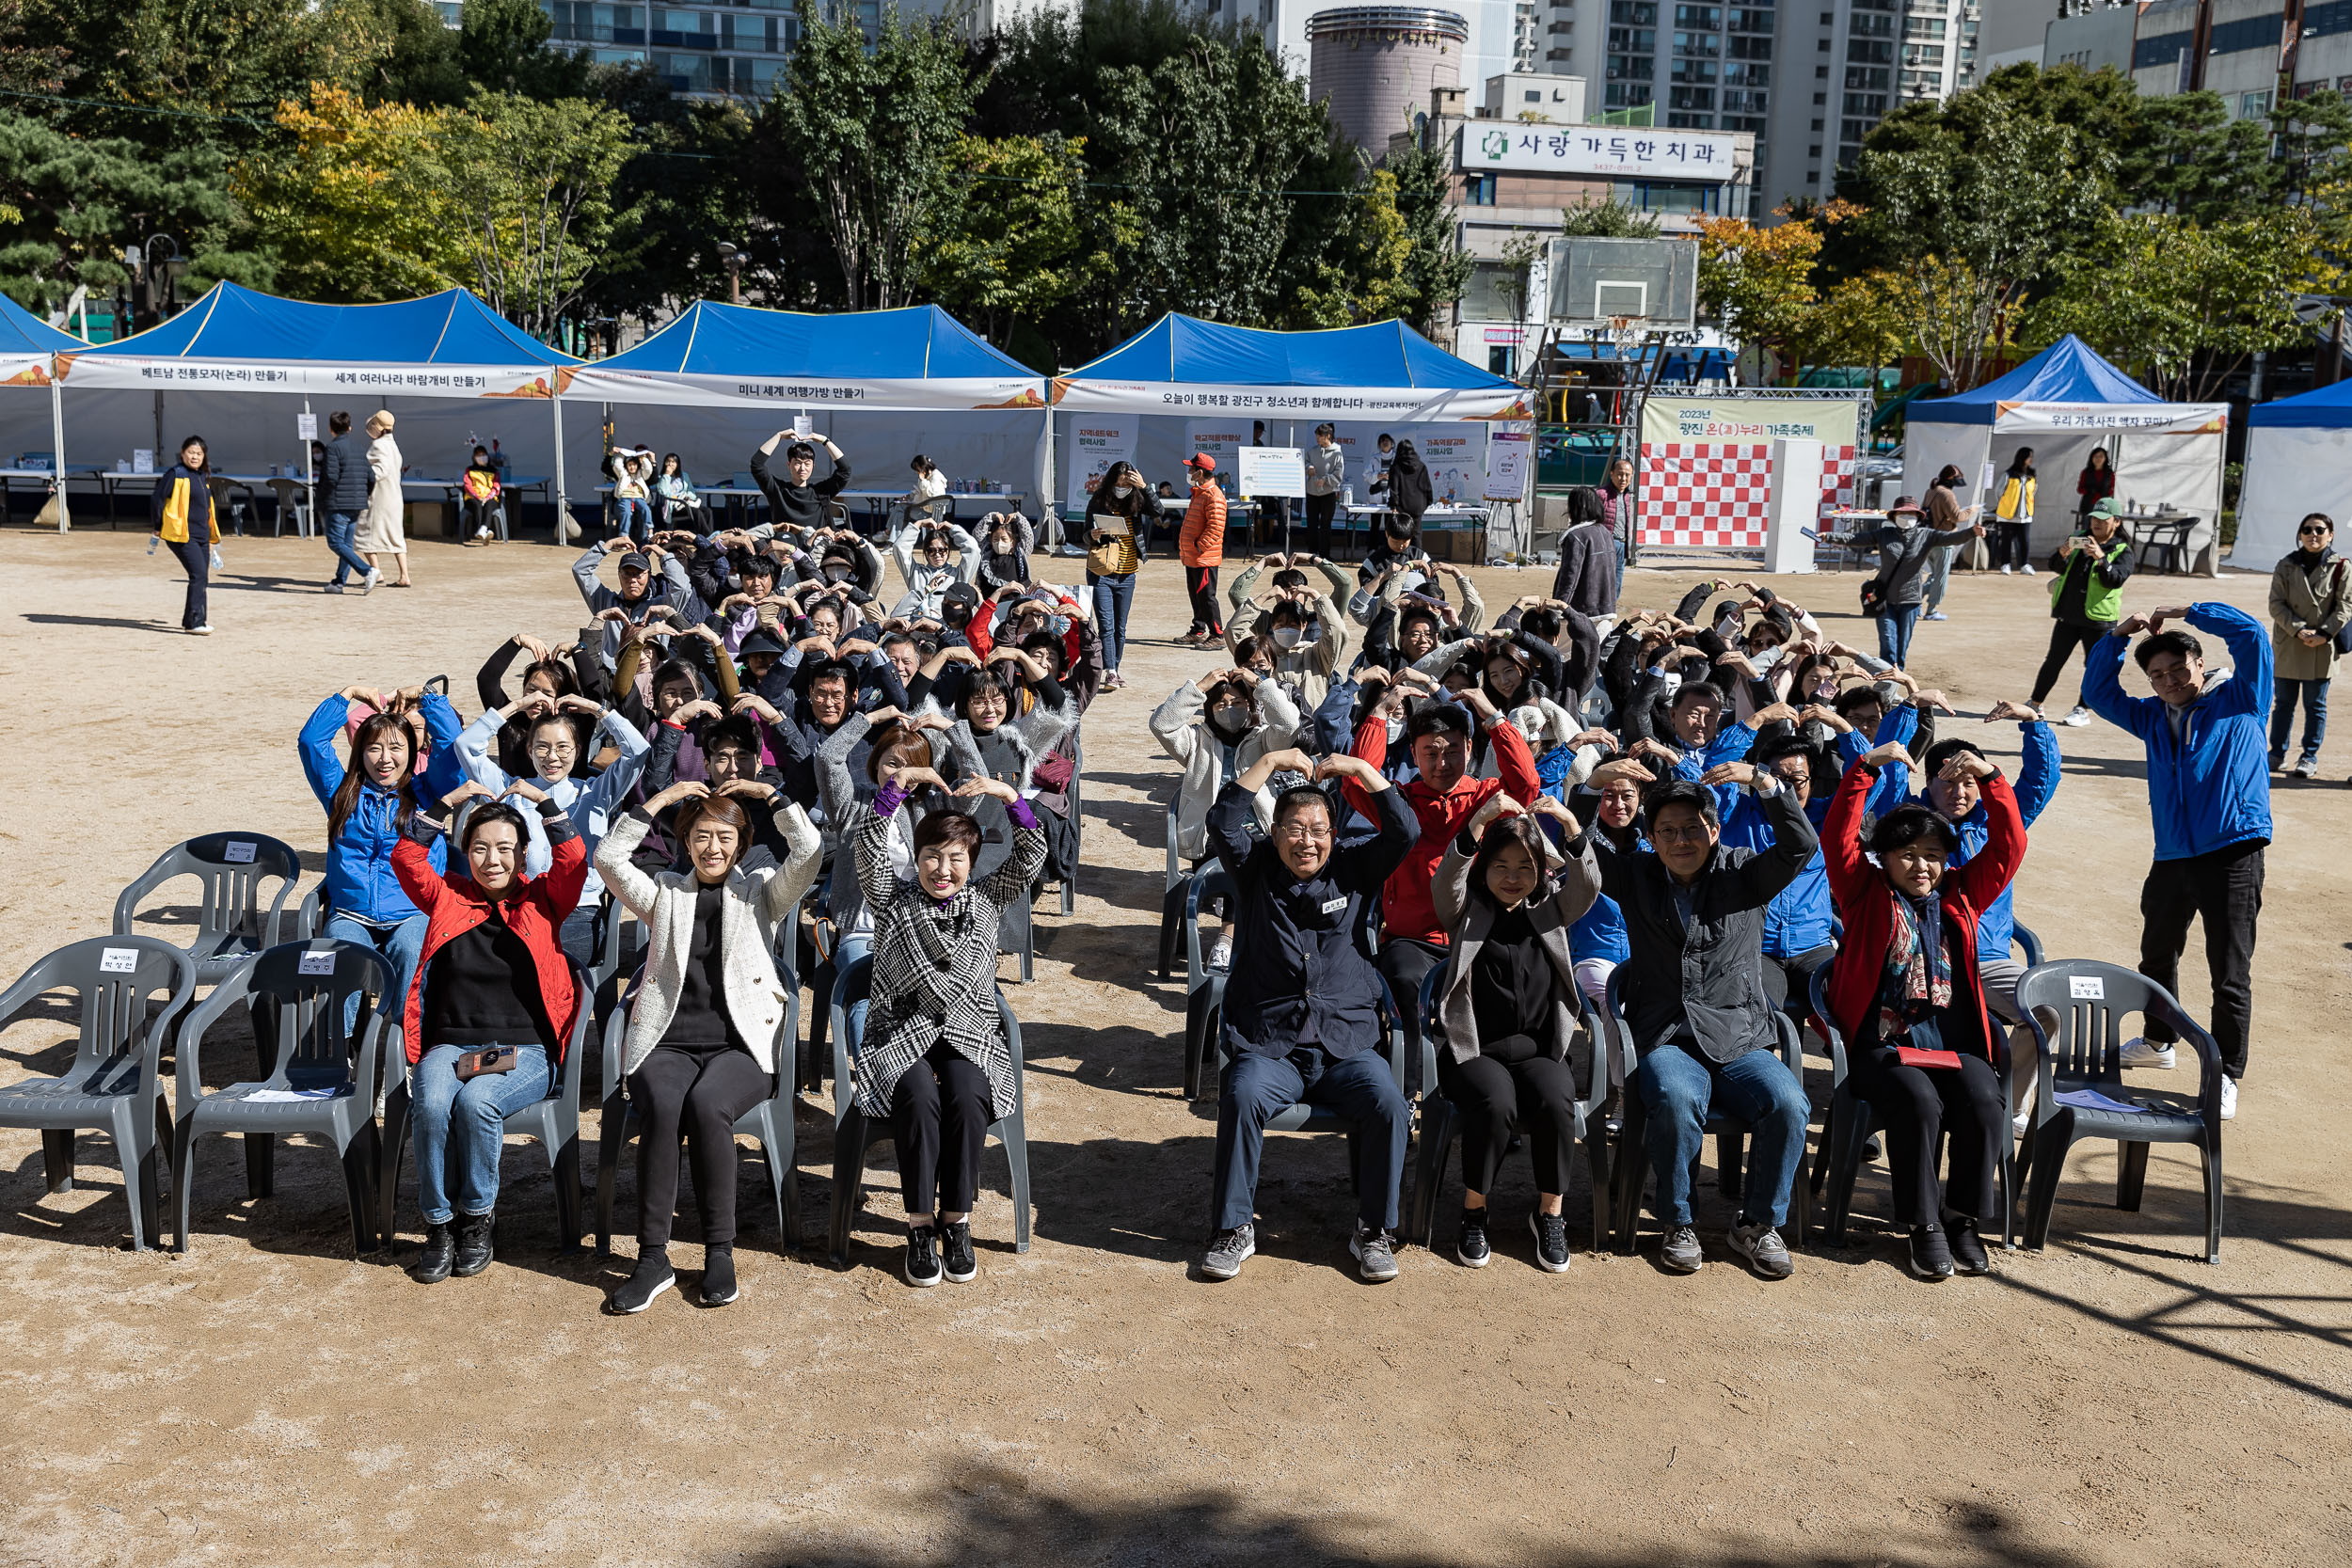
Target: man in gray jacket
342 495
1326 471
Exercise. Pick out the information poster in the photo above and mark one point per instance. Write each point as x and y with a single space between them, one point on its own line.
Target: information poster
1273 471
1223 440
1508 454
1706 473
1096 442
1458 463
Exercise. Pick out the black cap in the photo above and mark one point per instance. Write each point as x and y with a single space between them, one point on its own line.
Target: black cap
961 593
636 560
761 641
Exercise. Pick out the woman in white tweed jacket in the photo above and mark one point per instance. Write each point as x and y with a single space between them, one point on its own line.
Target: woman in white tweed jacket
933 1058
702 1046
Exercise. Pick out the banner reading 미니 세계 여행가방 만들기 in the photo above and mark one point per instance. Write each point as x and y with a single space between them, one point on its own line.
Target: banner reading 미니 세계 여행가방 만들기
1706 477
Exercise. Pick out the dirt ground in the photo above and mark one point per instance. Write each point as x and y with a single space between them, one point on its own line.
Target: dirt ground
266 1398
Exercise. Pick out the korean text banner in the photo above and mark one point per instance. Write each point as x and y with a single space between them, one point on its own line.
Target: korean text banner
1706 473
1394 405
124 372
1600 149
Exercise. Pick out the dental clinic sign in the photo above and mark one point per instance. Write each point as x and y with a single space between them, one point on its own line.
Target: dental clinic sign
1620 152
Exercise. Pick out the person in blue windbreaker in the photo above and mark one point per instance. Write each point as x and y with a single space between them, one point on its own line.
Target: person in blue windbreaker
368 802
2207 735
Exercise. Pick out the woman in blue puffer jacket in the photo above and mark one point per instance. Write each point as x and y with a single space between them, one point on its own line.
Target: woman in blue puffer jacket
367 806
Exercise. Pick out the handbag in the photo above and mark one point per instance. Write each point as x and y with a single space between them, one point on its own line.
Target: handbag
1873 597
2344 634
1053 771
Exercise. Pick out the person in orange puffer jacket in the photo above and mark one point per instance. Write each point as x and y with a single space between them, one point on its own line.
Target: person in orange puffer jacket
1200 546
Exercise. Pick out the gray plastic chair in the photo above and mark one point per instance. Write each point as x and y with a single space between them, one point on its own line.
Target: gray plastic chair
1204 988
855 1134
770 1122
1630 1171
112 1086
1440 1124
2091 1000
1853 1120
1172 900
232 923
296 995
554 1121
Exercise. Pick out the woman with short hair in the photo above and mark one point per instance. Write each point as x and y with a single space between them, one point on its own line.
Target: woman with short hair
934 1060
2309 602
702 1047
489 1011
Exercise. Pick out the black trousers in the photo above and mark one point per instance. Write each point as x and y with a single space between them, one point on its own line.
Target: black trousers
2011 544
1320 509
2224 889
197 560
1493 1096
1404 964
1201 584
1914 1105
1792 977
2065 637
476 515
939 1114
695 1094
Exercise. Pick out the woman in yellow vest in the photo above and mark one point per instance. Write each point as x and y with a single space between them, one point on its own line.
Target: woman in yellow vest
2013 517
184 518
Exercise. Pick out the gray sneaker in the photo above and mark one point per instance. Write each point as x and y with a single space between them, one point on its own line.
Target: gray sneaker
1681 1250
1761 1246
1228 1251
1375 1253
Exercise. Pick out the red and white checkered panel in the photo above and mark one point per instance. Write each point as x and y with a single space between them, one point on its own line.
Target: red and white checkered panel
1714 495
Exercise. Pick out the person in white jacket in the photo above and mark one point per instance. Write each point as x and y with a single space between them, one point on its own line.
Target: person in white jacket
380 531
932 558
703 1045
555 748
1217 731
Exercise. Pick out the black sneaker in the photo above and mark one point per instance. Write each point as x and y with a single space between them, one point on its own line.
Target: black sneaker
1968 1255
719 1287
1471 1245
440 1252
1931 1254
922 1265
652 1276
1551 1241
962 1266
474 1251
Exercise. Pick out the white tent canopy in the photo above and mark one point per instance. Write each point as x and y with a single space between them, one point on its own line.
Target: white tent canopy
2299 461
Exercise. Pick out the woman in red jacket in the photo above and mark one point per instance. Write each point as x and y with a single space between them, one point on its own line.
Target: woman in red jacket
489 1009
1904 993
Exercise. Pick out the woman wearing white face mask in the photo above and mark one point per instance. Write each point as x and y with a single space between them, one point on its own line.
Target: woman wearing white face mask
1301 628
1118 520
1217 728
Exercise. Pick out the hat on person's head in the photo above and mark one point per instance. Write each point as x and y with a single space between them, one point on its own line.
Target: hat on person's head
961 593
381 416
1904 503
761 641
636 560
2105 507
1202 461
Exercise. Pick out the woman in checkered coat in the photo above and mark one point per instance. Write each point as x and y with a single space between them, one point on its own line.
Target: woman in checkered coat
934 1060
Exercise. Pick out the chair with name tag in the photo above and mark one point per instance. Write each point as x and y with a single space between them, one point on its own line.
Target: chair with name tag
230 923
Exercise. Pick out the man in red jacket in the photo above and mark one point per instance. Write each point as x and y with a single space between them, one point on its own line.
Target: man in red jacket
1444 799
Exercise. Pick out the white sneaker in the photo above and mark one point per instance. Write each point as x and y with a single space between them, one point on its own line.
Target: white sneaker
2028 570
2077 719
367 584
483 534
2142 1051
1221 955
199 631
2022 1124
2005 568
2306 767
2229 1099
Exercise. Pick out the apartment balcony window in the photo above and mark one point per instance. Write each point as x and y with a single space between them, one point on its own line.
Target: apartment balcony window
1691 97
1628 95
1690 122
1750 49
1696 70
1632 68
1708 17
1924 56
1634 41
1633 13
1705 45
1740 75
1868 80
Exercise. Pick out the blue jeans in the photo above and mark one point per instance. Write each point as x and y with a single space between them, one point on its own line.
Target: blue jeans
400 945
634 518
1897 622
1113 597
341 528
1361 1088
460 1129
1676 1087
1939 572
853 1016
2282 717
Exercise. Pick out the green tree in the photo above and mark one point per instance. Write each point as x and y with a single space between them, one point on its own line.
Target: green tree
1607 219
504 46
533 183
1435 270
356 205
875 132
1014 250
1859 321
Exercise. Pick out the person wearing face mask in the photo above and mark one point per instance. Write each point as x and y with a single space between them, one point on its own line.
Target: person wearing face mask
1920 1048
489 973
1118 519
1507 1009
1301 1018
1305 630
1893 596
1200 546
2085 597
1005 540
1215 729
702 1047
934 1061
2309 602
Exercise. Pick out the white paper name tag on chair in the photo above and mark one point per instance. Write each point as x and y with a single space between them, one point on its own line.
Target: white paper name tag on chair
119 960
317 963
239 851
2087 988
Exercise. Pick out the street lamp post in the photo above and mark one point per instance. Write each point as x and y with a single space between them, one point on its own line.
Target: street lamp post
731 258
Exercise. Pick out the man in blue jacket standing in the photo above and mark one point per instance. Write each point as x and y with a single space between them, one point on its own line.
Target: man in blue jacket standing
2209 793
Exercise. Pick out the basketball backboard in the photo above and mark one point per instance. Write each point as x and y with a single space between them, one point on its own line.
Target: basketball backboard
1648 285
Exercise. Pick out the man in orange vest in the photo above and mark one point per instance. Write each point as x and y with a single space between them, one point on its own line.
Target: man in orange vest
1200 546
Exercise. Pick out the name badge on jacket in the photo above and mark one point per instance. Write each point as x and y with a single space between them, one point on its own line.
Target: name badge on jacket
1336 904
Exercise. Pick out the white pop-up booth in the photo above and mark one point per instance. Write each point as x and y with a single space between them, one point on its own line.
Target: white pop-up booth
2062 403
2299 461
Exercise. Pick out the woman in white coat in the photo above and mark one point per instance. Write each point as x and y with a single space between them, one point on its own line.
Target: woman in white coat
702 1047
380 531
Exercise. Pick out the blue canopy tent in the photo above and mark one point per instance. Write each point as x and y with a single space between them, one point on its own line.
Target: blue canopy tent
2298 460
1383 378
449 348
28 347
2062 403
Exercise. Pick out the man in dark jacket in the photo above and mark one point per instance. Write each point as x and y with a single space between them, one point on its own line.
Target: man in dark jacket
1302 1005
1692 993
342 495
793 501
